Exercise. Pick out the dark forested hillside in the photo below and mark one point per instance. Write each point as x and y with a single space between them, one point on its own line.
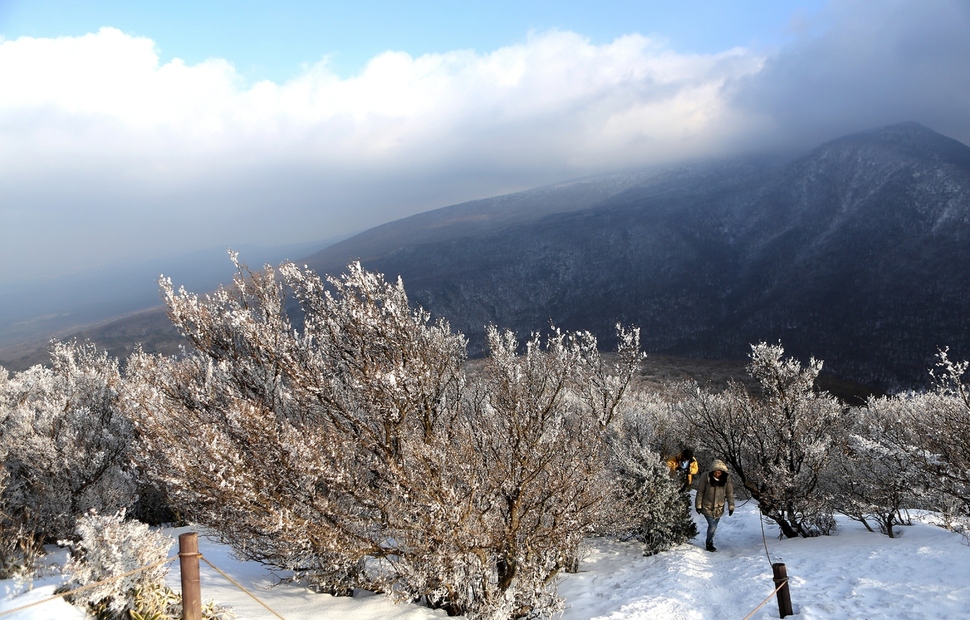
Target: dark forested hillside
856 253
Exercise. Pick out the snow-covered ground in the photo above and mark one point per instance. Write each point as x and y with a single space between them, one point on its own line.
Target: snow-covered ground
854 574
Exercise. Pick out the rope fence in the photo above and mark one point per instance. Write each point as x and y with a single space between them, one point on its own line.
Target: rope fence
780 578
238 585
89 586
184 552
767 598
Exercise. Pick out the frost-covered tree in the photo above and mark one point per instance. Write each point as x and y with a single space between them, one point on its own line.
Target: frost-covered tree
353 451
778 444
872 476
539 432
65 441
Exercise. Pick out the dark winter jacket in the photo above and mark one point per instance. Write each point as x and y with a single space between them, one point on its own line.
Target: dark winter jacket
713 494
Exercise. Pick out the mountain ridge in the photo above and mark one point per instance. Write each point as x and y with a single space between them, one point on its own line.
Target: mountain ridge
708 258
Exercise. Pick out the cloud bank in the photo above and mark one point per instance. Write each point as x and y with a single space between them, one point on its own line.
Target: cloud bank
106 152
870 66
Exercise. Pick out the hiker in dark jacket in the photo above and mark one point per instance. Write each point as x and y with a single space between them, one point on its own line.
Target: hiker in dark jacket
714 491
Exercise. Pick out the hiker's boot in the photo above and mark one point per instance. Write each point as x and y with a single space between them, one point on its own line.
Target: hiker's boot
711 547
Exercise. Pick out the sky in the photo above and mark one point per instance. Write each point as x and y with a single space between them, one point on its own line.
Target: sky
135 129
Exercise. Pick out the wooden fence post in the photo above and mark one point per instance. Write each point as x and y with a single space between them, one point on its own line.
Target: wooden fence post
191 584
784 595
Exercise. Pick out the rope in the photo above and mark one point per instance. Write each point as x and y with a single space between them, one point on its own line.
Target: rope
764 539
88 586
238 585
768 598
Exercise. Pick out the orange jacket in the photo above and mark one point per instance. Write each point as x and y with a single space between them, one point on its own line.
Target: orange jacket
677 465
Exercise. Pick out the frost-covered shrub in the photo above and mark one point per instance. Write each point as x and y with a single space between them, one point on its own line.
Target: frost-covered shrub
661 510
655 511
107 548
356 451
20 550
302 448
20 547
539 429
64 441
953 516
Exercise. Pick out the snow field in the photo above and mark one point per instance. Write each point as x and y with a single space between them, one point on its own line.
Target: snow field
854 574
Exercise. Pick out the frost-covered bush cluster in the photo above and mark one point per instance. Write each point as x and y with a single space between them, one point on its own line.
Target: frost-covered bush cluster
357 452
328 427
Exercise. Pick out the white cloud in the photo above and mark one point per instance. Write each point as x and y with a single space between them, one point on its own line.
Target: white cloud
63 91
867 66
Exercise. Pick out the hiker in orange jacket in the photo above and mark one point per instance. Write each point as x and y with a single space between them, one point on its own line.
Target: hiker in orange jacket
684 466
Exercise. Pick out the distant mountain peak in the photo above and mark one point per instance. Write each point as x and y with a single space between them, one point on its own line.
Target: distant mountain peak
908 138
